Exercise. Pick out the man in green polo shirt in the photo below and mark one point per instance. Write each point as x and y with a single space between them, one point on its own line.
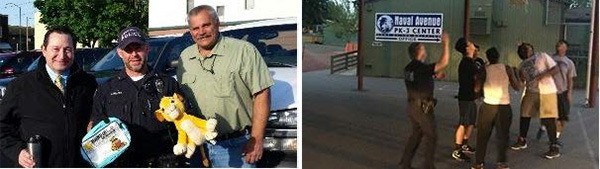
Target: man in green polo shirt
226 79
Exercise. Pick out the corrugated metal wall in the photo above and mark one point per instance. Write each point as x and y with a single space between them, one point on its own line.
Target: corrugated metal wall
510 25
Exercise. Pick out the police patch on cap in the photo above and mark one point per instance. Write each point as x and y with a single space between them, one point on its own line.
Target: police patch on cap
131 35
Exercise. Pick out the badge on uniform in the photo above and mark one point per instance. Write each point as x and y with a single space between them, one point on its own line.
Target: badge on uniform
105 142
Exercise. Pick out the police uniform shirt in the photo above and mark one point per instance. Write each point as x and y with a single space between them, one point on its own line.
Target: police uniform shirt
222 84
419 79
134 103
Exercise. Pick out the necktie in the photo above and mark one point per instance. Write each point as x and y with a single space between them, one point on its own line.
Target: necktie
58 84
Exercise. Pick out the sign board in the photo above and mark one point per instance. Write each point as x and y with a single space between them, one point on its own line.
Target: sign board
409 27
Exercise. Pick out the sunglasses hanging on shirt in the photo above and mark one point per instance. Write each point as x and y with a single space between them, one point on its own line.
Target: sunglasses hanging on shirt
211 70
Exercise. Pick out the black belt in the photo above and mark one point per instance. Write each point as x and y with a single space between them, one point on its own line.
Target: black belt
233 135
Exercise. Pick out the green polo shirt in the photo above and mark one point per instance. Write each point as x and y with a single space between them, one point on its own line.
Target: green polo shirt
239 72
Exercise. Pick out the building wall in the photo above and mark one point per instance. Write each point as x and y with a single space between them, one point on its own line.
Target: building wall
511 24
172 13
168 13
40 30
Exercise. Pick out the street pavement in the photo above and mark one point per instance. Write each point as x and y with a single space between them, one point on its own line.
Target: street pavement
346 128
317 57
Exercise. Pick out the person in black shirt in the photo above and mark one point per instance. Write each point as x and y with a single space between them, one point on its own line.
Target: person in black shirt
470 70
418 79
132 96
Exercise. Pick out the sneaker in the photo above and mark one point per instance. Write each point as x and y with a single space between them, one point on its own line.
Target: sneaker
477 166
553 152
467 149
520 144
460 156
502 166
559 143
540 133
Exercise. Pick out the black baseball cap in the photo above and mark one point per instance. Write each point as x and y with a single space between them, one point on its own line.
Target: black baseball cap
131 35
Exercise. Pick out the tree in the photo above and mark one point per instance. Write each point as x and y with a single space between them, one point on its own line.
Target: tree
343 19
314 12
94 21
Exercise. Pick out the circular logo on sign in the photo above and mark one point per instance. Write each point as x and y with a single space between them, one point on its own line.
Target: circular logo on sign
384 24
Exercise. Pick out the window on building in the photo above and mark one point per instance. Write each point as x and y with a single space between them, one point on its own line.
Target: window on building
220 11
249 4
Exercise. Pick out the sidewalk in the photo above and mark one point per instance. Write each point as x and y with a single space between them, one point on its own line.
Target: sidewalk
345 128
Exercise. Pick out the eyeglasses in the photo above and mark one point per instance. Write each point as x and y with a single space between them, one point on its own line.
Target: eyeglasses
211 70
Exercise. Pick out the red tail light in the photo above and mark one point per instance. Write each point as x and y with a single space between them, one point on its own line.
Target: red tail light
8 71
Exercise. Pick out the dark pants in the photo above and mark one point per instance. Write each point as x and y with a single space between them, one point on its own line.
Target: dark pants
491 116
423 125
550 124
564 107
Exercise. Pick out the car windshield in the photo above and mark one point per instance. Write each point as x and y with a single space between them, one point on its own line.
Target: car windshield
5 48
172 50
113 62
277 44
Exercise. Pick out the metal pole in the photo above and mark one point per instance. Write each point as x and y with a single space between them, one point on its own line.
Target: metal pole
592 77
20 31
359 72
20 27
466 25
26 33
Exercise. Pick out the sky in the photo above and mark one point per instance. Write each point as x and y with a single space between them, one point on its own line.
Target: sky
27 10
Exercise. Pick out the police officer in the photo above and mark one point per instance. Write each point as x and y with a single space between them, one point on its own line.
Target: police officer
419 85
132 96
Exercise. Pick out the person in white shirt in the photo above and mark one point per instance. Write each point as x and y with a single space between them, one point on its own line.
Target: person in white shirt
540 99
495 110
564 82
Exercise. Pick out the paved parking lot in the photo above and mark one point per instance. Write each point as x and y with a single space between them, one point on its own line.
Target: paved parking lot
345 128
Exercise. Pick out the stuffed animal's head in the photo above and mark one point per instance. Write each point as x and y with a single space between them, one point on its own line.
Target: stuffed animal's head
170 108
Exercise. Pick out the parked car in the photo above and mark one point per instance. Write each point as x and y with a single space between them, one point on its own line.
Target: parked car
111 63
5 47
83 57
12 64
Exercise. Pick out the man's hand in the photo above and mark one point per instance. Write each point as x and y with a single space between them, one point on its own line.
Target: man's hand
89 126
445 38
25 159
253 150
439 75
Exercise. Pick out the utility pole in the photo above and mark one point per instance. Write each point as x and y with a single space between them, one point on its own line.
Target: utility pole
592 77
27 33
20 31
359 67
466 19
